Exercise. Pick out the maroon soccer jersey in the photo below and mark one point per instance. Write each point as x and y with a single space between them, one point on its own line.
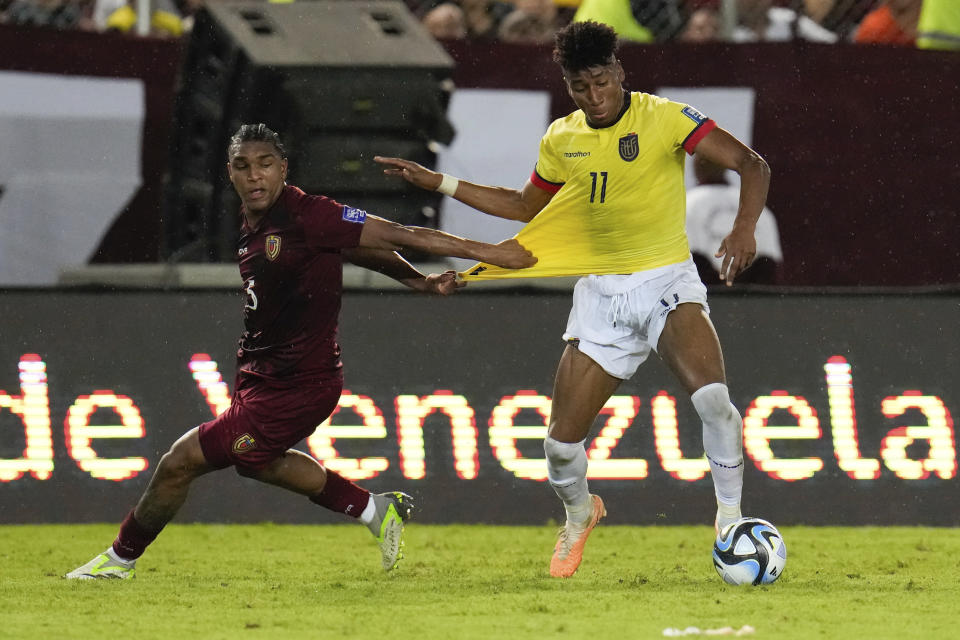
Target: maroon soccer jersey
292 273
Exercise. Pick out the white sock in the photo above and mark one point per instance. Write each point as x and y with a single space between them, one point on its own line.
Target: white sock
723 444
727 514
567 472
366 516
113 556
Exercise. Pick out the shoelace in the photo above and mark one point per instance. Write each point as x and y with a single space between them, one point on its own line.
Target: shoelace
566 539
618 304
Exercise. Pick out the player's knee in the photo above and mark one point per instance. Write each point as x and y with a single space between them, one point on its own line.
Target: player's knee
182 462
561 453
566 461
713 405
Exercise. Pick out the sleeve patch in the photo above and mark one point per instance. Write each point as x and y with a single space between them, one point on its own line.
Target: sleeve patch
693 114
351 214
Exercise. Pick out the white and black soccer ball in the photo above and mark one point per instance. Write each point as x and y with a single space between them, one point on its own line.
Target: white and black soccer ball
749 551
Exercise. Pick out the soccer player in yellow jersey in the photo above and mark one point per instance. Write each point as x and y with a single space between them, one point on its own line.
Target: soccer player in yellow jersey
613 170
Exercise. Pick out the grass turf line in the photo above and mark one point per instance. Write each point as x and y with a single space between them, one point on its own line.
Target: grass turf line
288 581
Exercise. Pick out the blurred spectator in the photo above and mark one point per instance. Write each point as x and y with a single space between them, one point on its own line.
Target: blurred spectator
634 20
817 10
760 20
842 17
59 14
893 22
533 22
939 26
617 14
711 209
167 20
484 17
446 22
704 25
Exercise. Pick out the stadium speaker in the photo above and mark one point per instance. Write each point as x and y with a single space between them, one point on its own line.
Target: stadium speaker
341 81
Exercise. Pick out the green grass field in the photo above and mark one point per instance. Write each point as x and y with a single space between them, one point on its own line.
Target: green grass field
279 581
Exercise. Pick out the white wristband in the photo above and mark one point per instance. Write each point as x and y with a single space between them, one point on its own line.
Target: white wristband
448 185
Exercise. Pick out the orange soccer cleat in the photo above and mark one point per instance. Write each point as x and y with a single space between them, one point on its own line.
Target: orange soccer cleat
569 550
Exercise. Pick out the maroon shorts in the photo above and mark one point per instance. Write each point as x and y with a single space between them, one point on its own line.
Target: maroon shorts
264 421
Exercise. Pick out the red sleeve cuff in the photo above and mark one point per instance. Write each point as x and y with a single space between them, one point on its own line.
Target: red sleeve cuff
697 135
546 185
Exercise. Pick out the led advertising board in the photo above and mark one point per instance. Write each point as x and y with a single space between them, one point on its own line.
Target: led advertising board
848 404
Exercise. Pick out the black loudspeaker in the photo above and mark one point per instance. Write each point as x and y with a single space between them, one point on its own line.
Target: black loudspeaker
340 81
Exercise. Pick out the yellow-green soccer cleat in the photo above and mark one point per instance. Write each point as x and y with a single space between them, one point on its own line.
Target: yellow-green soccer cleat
107 566
392 510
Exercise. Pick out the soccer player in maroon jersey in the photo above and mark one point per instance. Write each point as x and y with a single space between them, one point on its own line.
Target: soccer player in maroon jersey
289 375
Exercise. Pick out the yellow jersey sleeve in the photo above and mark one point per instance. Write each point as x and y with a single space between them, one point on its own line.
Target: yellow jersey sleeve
681 125
549 169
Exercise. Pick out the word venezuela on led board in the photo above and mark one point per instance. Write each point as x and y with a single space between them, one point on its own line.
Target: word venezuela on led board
917 443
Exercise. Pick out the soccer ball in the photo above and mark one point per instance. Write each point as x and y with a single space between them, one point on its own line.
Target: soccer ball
749 551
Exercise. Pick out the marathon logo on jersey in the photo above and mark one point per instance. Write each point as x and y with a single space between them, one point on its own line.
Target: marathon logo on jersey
629 147
694 115
350 214
244 443
272 247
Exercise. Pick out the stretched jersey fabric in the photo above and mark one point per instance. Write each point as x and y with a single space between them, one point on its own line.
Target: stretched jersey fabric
619 202
292 273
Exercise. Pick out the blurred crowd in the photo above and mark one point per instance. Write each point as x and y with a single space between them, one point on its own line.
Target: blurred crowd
894 22
921 23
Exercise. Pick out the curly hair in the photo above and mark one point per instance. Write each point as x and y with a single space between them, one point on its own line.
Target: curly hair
581 45
256 133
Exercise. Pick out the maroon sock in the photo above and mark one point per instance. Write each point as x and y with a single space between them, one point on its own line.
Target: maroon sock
342 496
132 540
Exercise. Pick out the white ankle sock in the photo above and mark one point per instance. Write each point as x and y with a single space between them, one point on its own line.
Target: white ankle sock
727 514
366 516
113 556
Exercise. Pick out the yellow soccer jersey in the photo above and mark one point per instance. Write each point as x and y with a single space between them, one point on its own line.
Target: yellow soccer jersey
619 203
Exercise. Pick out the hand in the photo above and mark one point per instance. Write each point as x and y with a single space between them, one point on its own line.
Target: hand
738 251
443 284
510 254
415 174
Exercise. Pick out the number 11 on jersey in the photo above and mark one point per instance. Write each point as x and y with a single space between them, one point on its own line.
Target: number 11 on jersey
603 186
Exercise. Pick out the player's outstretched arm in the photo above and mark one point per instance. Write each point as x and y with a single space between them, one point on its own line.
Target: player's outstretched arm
383 234
739 248
392 264
501 202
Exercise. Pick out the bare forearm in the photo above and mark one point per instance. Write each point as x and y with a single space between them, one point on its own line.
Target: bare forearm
435 242
501 202
495 201
754 185
387 262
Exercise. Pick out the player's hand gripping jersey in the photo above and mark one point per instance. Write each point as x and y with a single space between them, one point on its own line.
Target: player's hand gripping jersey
620 201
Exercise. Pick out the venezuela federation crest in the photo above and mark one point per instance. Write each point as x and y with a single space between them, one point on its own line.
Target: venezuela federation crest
629 147
244 443
272 247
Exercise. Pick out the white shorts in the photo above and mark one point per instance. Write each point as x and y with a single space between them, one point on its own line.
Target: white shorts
617 319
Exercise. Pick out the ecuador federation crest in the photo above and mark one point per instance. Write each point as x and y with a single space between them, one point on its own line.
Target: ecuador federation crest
629 147
272 247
